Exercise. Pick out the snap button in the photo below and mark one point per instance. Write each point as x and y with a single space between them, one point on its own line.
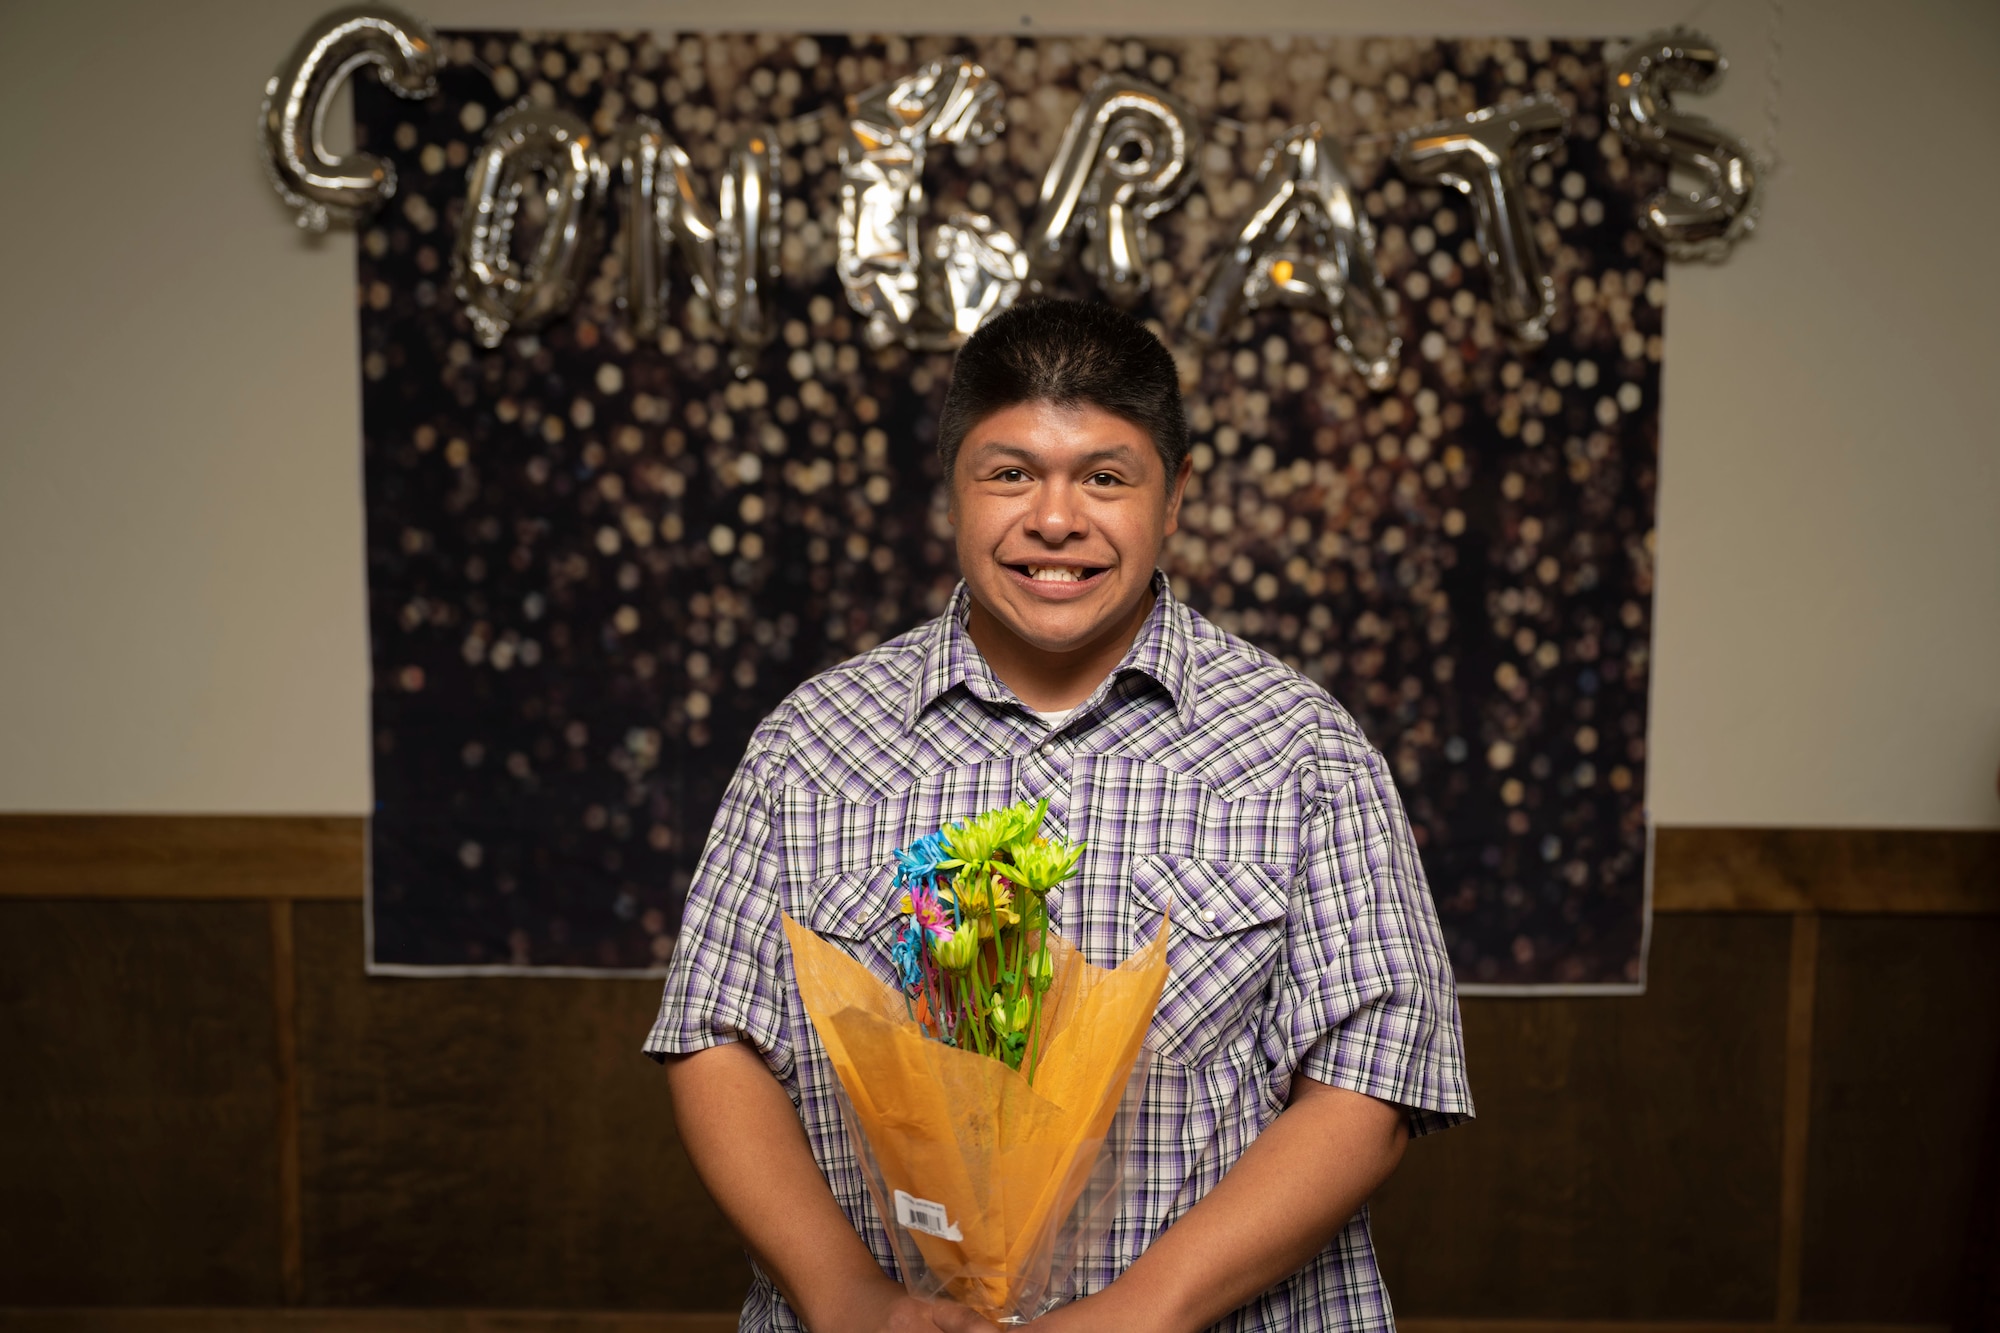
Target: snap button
1208 916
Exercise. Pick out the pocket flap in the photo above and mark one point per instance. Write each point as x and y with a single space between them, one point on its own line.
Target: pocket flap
853 905
1210 898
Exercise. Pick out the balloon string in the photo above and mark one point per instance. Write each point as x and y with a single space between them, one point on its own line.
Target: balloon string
1774 46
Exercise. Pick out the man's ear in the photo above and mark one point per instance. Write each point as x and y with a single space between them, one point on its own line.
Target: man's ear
1177 488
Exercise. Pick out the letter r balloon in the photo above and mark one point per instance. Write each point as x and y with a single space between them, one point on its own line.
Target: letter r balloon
1482 156
1127 155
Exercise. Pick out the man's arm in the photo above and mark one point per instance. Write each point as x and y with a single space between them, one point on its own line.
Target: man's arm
1290 1193
747 1145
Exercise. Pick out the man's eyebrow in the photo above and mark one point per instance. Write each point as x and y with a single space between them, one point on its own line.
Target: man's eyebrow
1113 453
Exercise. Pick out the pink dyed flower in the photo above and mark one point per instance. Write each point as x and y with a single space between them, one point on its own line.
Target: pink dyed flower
922 903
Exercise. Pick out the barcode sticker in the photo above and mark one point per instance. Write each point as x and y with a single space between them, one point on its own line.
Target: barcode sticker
923 1215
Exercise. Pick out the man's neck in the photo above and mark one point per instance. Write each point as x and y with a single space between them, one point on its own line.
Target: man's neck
1052 681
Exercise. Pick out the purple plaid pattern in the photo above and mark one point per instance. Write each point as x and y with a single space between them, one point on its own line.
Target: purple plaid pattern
1209 780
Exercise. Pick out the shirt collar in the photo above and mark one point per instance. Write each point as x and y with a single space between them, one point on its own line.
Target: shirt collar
1162 651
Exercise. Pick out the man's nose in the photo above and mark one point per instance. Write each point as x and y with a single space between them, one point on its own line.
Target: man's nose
1056 515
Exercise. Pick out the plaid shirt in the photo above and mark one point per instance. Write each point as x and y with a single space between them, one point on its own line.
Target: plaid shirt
1204 775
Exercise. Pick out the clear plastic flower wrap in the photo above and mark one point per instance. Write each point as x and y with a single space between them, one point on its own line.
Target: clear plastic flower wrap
994 1189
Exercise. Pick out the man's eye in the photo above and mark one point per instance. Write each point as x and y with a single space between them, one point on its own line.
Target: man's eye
1010 475
1102 479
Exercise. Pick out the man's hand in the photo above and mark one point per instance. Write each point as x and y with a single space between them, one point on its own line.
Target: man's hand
954 1318
1288 1195
1285 1198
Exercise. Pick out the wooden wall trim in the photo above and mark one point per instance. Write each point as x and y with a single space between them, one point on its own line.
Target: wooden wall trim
593 1321
1891 871
1919 872
359 1321
1802 987
285 1035
1643 1326
182 856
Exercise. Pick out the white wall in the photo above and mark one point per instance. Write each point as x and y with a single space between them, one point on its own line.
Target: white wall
181 577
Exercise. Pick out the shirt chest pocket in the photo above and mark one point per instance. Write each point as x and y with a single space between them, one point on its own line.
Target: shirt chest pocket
1228 927
856 910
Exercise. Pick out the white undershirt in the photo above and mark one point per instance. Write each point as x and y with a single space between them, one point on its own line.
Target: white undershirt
1056 718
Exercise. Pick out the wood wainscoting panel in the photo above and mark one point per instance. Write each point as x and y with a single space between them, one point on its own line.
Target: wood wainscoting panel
1892 871
1625 1160
1906 1067
488 1143
1895 871
369 1321
138 1154
182 856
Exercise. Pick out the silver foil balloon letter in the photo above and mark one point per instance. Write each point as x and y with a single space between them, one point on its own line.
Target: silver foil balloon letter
553 154
1125 157
1306 244
317 185
1482 156
925 296
1707 222
731 251
972 271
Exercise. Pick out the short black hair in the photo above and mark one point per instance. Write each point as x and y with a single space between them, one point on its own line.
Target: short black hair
1068 353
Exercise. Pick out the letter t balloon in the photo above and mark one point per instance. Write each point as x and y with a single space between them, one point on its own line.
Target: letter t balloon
1482 156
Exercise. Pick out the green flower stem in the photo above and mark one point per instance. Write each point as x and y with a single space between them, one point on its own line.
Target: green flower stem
970 1006
1020 947
1034 1036
1035 1008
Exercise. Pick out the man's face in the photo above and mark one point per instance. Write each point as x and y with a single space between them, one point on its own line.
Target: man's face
1060 512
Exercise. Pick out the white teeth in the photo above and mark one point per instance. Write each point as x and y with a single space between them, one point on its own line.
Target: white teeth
1054 574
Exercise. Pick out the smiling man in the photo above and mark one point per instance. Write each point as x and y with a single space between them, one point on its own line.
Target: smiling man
1309 1026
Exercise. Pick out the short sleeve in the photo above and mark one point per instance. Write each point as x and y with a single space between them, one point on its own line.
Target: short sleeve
1367 1001
728 961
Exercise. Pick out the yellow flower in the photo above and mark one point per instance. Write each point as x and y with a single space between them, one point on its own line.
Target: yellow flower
984 902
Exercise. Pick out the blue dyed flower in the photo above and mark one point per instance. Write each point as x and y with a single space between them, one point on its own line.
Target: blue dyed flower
920 861
907 954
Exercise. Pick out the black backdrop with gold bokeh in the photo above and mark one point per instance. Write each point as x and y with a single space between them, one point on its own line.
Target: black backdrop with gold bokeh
595 563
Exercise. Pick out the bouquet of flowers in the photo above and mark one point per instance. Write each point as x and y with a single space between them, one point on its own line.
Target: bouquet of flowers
983 1089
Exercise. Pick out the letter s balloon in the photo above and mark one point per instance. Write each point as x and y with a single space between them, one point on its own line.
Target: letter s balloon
1706 223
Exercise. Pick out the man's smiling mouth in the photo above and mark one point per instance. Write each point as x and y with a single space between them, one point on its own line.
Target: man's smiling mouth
1057 573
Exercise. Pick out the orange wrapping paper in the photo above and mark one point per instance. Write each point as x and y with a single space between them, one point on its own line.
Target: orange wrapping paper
1006 1160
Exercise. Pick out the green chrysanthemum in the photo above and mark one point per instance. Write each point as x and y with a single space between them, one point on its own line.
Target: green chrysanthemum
1042 863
